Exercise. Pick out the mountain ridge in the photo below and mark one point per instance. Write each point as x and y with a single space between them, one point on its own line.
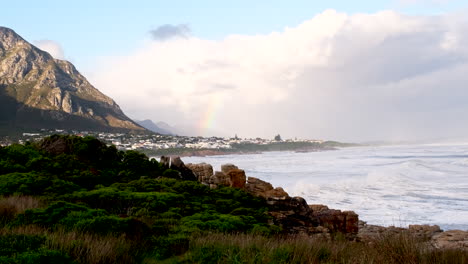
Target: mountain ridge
39 91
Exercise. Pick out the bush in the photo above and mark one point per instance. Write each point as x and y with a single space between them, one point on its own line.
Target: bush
31 183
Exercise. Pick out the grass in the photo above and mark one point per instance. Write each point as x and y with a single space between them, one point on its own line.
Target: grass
82 247
244 248
11 206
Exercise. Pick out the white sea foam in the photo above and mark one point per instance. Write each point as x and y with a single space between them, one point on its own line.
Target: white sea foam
395 185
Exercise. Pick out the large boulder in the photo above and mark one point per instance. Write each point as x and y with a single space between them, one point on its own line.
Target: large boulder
220 178
452 239
227 167
236 178
203 171
263 189
346 222
175 163
424 232
291 214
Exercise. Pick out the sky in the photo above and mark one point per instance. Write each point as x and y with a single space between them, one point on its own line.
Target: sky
342 70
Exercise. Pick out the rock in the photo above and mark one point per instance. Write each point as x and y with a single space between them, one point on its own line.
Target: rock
291 214
336 221
165 162
263 189
257 187
175 163
318 207
44 92
203 171
227 167
220 178
278 192
452 239
425 232
236 178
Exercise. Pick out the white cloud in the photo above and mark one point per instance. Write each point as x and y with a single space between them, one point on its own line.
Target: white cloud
336 76
52 47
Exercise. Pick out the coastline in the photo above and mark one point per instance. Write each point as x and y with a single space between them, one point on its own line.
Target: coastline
354 228
219 152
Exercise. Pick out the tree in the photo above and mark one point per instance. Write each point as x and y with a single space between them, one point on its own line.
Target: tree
278 137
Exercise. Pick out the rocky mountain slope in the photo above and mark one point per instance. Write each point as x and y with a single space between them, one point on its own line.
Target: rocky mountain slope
38 91
160 127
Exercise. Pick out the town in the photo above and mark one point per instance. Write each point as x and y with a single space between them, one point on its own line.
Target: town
152 143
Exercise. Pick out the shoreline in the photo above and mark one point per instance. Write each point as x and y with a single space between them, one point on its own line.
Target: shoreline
287 209
213 152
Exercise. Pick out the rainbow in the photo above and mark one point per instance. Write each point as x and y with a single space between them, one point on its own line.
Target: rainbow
208 118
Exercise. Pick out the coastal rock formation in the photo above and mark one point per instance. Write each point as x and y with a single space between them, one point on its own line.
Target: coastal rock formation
203 171
263 189
176 163
292 214
424 232
295 216
451 239
335 220
227 167
236 178
370 233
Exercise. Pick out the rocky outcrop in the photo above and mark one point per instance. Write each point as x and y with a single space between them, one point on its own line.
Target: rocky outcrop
370 233
236 178
225 168
292 214
424 232
295 216
346 222
452 239
38 91
175 163
264 189
203 171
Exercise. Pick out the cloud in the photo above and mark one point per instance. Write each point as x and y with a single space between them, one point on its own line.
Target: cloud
336 76
52 47
168 31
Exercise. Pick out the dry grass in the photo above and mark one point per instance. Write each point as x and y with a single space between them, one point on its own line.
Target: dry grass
83 247
11 206
241 248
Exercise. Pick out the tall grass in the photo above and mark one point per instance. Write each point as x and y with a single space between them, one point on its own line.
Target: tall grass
242 248
11 206
83 247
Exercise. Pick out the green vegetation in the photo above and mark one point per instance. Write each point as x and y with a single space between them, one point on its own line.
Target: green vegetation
67 185
68 199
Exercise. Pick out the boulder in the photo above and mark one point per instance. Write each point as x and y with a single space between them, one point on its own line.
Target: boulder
175 163
227 167
346 222
318 207
452 239
263 189
236 178
257 187
291 214
203 171
220 178
424 232
277 192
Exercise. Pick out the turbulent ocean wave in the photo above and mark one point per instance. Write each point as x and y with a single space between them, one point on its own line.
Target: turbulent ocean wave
397 185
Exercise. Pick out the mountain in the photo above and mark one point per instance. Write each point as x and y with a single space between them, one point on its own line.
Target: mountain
160 127
38 91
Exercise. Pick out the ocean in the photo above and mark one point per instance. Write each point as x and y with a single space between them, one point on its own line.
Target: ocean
389 185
